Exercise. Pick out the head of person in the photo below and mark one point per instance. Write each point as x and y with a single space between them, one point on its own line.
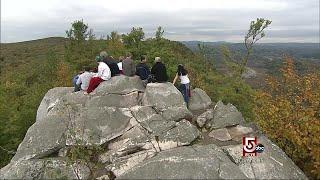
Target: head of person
157 59
94 70
98 59
86 68
181 70
103 54
121 58
143 59
129 55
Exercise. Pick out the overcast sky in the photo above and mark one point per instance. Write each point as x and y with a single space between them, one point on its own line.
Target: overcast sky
205 20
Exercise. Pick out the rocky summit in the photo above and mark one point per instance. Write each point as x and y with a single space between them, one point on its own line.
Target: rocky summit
124 130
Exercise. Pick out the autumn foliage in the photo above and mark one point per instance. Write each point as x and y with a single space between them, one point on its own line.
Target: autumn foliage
288 111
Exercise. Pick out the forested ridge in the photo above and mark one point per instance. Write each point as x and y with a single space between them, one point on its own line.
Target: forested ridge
29 69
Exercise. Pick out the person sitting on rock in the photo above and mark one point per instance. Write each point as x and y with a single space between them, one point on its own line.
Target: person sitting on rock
128 66
84 79
143 70
121 58
111 63
74 82
182 73
159 71
103 74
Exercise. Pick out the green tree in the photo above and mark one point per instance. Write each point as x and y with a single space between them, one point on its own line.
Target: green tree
80 47
133 41
255 33
237 66
159 33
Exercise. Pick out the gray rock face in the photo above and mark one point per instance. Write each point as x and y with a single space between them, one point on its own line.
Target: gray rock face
204 117
139 136
197 162
44 169
115 100
220 134
167 99
182 134
120 85
224 115
162 96
42 138
50 99
272 163
134 140
199 100
237 132
97 125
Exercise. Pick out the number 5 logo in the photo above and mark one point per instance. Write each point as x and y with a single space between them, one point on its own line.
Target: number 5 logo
249 146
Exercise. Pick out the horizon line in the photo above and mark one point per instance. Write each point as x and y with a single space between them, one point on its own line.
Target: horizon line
231 42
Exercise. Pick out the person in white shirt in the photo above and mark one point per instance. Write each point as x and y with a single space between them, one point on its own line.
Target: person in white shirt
103 74
182 73
121 58
84 79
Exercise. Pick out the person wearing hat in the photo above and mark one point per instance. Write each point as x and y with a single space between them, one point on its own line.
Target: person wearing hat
182 73
159 71
103 74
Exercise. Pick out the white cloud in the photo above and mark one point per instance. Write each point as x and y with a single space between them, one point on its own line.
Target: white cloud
190 19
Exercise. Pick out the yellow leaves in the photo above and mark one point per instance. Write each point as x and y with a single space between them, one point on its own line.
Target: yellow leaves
289 111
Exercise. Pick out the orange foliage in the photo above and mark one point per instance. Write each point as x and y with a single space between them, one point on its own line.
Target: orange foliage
288 111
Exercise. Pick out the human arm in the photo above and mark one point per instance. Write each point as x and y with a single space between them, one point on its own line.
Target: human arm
78 82
175 79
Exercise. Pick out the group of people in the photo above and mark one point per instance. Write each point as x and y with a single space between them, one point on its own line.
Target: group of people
88 79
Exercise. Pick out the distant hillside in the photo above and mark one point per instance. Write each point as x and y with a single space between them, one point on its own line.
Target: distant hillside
29 69
266 59
264 53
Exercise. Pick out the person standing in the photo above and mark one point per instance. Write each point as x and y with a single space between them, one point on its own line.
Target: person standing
128 66
159 71
182 73
103 74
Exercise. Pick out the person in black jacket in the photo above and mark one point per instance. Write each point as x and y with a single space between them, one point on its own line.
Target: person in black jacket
159 71
113 64
142 69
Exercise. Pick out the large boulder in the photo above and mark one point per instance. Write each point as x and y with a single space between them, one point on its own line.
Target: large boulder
120 85
224 115
272 163
134 140
44 169
121 133
96 125
50 99
43 138
167 100
204 117
115 100
199 100
196 162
